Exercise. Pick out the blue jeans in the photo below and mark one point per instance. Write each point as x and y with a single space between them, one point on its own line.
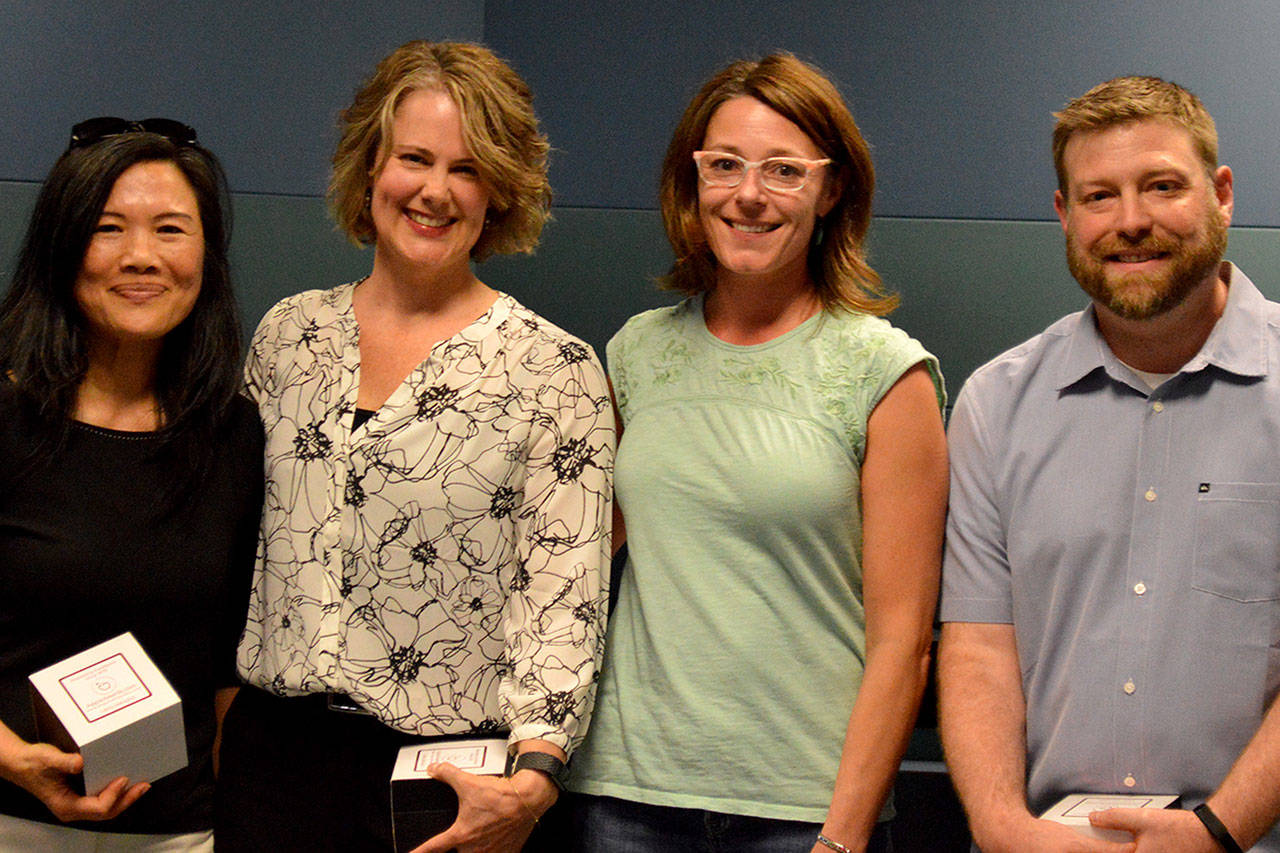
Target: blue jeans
609 825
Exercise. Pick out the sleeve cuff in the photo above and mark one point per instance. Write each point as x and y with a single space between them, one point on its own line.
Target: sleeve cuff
539 731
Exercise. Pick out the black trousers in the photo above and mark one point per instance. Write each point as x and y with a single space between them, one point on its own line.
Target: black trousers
296 776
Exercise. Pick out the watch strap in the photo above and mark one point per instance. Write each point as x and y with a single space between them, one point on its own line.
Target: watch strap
1216 828
544 762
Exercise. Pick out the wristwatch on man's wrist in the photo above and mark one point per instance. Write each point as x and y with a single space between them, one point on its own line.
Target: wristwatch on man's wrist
543 762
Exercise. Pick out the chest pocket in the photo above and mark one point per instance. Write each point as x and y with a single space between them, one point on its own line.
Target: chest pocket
1238 541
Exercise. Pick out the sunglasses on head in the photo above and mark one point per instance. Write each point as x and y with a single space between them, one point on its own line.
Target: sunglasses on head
94 130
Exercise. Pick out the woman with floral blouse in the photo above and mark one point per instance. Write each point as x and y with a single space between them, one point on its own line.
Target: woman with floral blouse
438 465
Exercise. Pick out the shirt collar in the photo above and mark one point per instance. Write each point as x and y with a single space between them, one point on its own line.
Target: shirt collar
1237 343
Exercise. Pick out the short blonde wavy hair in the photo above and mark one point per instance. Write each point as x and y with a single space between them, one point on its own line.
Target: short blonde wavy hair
1128 99
498 124
805 96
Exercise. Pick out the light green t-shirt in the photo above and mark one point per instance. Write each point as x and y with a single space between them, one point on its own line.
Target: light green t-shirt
737 645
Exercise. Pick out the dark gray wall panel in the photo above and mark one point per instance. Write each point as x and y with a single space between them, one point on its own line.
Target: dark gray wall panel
16 201
262 82
283 246
970 289
954 97
594 269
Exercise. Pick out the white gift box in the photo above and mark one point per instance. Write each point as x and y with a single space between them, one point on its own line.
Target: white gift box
422 806
112 705
1073 810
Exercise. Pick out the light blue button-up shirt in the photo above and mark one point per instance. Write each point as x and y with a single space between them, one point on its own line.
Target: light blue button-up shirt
1132 537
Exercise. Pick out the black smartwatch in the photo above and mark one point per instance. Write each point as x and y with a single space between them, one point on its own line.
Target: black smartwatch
543 762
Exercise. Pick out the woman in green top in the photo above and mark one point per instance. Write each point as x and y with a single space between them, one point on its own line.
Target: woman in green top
782 477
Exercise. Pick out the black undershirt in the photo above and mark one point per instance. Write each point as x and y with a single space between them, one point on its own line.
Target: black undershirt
89 550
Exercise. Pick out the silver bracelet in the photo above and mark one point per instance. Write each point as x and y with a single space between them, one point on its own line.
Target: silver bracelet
834 845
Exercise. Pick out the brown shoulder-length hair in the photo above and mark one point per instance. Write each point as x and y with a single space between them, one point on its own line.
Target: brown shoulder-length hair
805 96
498 124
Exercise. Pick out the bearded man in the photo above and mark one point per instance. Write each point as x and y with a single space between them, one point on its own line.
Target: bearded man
1111 586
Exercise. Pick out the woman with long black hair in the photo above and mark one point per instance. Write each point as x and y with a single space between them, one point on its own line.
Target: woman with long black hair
131 488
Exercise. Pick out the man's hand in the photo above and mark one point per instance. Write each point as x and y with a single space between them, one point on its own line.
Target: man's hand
495 814
1159 830
1046 836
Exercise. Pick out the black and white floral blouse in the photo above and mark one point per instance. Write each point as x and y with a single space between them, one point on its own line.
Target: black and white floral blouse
444 563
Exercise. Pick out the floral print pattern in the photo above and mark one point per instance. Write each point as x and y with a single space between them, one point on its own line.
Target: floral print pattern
444 563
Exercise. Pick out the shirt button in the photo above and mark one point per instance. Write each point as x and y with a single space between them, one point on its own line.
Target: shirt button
1157 407
1129 687
1129 781
1150 495
1140 588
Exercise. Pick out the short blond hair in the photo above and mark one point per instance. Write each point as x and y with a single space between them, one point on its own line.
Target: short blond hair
1129 99
803 95
498 125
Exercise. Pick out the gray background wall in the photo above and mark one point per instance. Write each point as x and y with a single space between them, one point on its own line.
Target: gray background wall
954 97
